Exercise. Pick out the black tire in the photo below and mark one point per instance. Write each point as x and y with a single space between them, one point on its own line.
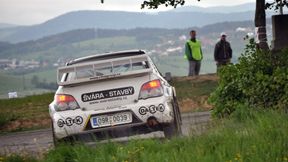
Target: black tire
175 104
174 129
55 141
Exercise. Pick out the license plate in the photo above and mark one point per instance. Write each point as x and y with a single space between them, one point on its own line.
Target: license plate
110 120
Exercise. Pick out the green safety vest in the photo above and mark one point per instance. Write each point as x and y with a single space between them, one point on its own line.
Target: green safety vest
196 50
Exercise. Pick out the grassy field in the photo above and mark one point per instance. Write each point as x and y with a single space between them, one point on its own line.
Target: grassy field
22 84
47 75
25 113
248 136
31 112
84 48
10 83
103 44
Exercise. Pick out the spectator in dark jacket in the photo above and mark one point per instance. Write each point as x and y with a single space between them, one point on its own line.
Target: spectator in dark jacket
222 52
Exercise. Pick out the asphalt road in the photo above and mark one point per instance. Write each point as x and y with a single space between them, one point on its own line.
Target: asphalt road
39 141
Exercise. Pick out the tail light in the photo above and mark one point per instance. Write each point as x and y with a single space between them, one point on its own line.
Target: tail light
65 102
151 89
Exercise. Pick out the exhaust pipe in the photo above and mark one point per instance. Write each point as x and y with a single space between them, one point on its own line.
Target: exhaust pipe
152 122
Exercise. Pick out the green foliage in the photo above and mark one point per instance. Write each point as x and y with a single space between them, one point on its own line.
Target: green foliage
276 4
153 4
259 80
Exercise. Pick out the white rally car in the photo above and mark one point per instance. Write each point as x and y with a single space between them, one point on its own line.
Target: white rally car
113 95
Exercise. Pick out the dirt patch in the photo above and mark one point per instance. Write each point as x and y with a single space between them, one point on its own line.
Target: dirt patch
24 124
197 104
204 102
199 78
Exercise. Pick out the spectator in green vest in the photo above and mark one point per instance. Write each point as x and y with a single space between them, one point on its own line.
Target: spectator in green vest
193 53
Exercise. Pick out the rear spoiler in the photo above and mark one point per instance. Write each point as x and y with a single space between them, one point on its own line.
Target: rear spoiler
92 70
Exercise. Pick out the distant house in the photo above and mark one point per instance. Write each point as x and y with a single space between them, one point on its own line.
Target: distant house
5 63
12 95
32 64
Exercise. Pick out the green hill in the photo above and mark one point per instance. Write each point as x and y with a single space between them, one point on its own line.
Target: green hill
165 46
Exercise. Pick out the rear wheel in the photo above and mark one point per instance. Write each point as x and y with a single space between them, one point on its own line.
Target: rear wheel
174 129
55 141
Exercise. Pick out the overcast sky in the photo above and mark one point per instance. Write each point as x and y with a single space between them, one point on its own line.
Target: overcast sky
28 12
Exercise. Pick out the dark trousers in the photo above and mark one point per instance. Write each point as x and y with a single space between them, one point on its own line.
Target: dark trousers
222 63
194 68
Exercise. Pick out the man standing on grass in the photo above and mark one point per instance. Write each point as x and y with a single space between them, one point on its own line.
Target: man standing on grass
222 52
193 53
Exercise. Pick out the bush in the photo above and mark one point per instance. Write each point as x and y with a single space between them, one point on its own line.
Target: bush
259 80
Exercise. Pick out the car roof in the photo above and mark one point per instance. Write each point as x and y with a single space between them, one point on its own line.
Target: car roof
108 55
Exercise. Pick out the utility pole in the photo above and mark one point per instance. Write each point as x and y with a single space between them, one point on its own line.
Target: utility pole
281 8
23 81
279 29
260 24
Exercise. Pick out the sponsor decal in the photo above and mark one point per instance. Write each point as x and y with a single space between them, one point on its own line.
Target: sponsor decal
161 108
60 123
143 110
99 95
69 121
105 76
152 109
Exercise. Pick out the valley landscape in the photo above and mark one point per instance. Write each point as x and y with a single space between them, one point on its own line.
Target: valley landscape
30 55
236 114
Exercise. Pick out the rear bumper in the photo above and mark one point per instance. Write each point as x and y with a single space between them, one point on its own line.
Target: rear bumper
77 122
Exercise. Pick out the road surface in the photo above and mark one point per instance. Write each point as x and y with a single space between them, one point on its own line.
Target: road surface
40 141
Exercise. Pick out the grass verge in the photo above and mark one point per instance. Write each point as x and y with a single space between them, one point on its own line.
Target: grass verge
259 136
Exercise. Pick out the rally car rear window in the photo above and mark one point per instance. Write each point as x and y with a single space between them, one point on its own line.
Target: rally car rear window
88 72
106 68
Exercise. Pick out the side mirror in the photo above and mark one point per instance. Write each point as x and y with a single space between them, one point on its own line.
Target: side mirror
168 77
